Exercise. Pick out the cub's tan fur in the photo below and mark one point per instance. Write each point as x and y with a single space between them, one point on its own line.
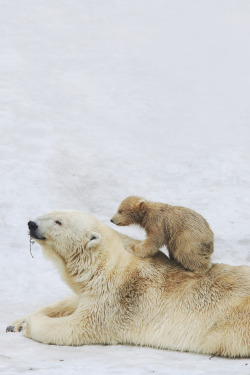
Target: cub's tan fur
187 235
122 299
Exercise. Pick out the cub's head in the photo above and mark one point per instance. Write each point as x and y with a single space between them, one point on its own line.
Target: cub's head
66 234
130 211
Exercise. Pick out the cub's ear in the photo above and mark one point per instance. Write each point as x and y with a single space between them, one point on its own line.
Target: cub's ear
94 239
140 203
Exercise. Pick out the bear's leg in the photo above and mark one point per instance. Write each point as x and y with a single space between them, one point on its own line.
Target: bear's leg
194 261
62 308
230 337
75 329
193 253
192 258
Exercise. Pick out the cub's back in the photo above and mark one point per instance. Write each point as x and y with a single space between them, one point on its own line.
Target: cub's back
178 216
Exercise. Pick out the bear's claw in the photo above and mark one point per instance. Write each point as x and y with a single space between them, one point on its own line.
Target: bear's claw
10 329
20 328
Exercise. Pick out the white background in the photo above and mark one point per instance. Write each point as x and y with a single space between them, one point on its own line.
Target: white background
103 99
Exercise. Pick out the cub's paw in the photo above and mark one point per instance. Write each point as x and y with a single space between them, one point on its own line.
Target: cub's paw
135 250
131 248
16 326
144 251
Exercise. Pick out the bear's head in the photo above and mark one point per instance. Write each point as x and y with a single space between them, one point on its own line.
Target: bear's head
63 231
73 239
130 211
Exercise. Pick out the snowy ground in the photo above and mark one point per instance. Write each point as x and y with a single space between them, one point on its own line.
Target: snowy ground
103 99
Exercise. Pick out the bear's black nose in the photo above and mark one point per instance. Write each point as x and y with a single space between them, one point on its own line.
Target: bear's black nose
32 225
111 220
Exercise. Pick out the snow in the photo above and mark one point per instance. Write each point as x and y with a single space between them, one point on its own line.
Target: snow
103 99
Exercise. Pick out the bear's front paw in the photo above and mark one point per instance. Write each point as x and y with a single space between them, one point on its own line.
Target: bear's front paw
16 326
10 329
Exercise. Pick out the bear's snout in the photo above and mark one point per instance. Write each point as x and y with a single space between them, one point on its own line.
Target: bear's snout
32 226
34 231
115 220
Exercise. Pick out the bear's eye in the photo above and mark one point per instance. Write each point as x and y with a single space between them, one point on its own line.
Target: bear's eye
58 222
120 212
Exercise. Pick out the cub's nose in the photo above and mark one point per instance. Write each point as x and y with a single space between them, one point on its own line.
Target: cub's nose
111 220
32 225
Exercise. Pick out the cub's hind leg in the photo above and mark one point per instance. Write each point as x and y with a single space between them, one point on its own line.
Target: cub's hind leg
193 252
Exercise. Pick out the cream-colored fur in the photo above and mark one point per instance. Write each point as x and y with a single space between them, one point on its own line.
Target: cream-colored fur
122 299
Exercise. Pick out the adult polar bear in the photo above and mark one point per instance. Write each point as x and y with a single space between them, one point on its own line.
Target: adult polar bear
119 298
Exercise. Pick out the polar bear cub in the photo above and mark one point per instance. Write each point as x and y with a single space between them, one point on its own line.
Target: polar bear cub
187 235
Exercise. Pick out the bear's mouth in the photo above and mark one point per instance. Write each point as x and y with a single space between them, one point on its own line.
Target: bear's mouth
36 237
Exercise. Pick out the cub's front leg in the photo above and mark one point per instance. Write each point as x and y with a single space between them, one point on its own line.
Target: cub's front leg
146 248
62 308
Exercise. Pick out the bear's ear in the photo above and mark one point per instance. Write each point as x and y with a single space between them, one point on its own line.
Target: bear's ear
140 203
94 239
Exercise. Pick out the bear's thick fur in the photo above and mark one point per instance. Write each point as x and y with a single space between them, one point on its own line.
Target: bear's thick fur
122 299
186 234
